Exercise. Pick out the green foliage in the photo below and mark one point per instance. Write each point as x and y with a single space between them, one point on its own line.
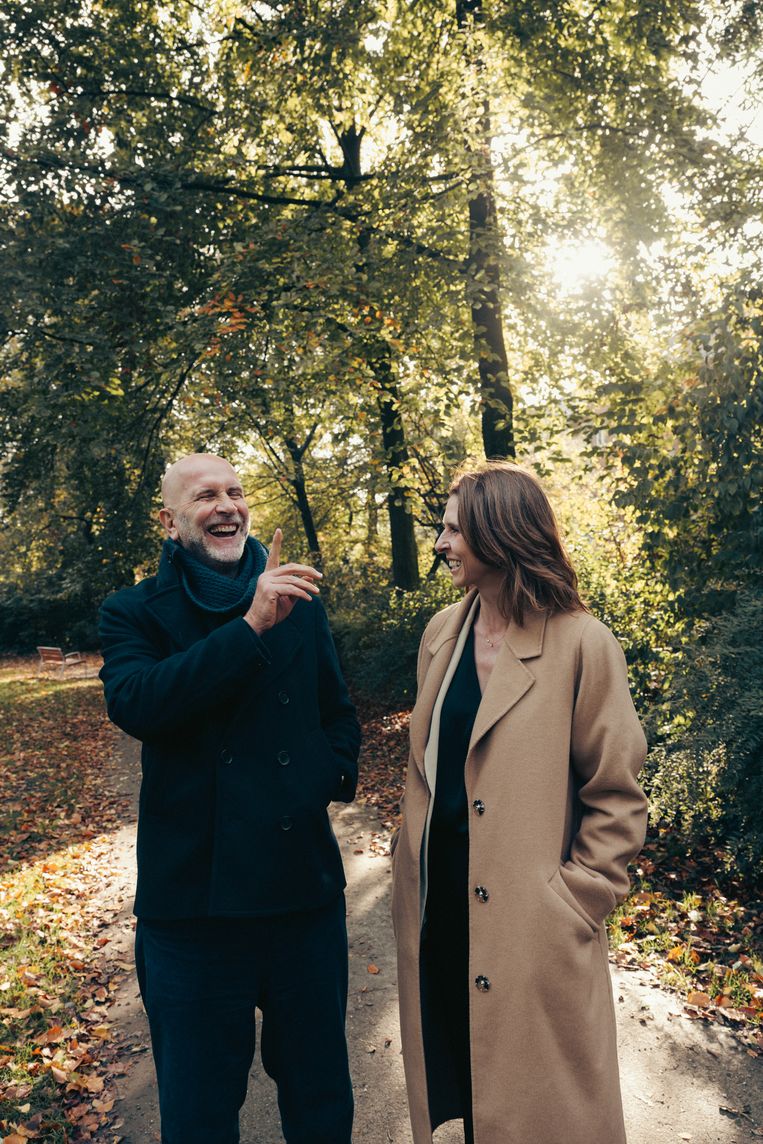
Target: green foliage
606 548
378 631
691 445
709 778
240 227
48 610
246 228
684 459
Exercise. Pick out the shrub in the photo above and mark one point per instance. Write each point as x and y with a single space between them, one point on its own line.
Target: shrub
47 611
708 779
378 630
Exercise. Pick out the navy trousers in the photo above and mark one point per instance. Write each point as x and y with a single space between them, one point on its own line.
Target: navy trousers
200 981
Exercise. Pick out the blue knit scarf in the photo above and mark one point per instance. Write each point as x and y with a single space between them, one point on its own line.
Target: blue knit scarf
210 590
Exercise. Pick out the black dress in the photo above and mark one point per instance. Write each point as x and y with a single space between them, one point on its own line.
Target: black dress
444 962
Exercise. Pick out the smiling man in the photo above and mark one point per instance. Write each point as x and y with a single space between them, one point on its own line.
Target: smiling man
223 666
205 511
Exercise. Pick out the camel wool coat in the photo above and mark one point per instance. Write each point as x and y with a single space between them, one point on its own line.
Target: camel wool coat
555 816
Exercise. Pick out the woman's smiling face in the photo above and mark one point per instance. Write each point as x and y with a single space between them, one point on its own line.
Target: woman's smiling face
466 569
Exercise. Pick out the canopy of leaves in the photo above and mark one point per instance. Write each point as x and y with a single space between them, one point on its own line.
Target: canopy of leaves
253 228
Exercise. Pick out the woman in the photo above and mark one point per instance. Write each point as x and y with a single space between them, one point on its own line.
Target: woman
522 812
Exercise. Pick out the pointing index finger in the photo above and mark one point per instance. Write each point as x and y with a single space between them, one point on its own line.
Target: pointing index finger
274 556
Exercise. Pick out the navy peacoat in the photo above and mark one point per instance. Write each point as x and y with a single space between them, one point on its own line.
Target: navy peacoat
246 740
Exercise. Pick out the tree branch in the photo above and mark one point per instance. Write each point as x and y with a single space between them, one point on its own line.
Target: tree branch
138 93
69 341
225 187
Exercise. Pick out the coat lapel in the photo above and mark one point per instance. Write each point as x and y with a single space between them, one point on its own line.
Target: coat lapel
185 624
172 610
439 650
510 679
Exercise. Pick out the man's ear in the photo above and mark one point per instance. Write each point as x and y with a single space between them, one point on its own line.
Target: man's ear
167 518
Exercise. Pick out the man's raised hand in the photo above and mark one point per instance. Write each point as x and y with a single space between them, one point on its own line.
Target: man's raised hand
279 587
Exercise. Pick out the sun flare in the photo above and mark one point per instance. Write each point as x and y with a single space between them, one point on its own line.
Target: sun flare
574 264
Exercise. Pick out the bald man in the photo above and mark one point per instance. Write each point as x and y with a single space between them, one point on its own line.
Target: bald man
223 666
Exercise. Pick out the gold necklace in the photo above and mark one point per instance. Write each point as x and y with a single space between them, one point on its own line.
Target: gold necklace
492 643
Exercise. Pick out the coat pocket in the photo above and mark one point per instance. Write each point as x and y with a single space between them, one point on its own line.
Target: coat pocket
326 772
557 883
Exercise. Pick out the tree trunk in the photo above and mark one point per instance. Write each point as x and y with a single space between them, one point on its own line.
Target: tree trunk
484 269
299 485
405 558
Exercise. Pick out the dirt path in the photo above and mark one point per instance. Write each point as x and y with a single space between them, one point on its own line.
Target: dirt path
678 1075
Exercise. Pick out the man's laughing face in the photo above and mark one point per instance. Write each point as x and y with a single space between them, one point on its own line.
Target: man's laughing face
205 510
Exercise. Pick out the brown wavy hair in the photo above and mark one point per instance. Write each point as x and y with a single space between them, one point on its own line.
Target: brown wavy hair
507 521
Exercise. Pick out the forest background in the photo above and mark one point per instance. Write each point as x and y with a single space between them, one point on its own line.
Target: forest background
350 243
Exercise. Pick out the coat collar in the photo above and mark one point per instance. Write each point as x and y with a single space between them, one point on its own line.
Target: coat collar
185 623
509 680
526 642
170 606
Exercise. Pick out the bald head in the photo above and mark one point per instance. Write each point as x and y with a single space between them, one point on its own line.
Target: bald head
205 510
186 469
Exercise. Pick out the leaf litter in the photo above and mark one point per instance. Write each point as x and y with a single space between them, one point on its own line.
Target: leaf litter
58 1058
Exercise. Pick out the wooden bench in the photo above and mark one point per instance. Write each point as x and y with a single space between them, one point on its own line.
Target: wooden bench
54 659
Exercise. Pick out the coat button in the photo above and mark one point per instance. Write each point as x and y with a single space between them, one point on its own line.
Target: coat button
481 893
479 806
482 983
225 756
286 823
283 697
283 758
